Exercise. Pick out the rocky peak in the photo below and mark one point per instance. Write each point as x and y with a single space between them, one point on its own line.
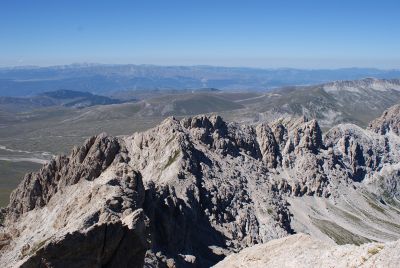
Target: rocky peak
388 122
85 210
269 146
86 162
363 84
211 123
207 188
309 136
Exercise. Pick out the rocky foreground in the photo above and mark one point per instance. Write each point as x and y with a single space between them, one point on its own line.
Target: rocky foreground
191 192
301 250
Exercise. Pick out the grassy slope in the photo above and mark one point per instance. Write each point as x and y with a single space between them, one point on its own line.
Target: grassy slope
354 107
57 130
11 175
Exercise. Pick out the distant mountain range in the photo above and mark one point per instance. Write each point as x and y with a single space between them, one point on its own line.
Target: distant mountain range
65 98
356 101
104 79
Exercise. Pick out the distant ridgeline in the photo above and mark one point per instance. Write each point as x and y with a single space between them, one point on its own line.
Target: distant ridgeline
66 98
100 79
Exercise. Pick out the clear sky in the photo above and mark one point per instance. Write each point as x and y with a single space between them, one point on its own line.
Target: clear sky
302 34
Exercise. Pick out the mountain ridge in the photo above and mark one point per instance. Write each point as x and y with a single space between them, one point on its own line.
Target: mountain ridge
347 101
103 79
211 188
62 97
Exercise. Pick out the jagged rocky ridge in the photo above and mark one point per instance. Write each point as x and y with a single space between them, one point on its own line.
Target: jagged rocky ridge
388 122
84 210
200 188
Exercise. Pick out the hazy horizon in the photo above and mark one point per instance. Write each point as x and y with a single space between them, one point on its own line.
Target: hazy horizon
194 65
260 34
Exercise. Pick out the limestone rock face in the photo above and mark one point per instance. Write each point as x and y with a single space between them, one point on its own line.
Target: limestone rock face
301 250
389 121
86 162
200 189
227 185
111 244
84 210
369 157
268 145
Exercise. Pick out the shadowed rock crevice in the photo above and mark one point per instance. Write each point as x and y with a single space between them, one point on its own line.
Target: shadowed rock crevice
177 228
106 245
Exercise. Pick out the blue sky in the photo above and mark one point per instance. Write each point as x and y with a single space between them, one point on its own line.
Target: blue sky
302 34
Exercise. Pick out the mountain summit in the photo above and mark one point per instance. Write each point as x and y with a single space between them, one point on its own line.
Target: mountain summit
192 191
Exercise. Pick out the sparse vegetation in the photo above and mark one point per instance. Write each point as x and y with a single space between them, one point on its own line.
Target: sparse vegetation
375 206
27 251
390 200
172 158
37 246
170 140
344 214
339 234
11 174
375 250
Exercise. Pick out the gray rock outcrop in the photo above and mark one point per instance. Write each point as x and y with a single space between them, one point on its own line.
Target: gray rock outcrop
84 210
389 121
301 250
200 189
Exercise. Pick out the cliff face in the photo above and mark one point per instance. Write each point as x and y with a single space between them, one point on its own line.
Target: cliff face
85 163
389 121
203 188
84 210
